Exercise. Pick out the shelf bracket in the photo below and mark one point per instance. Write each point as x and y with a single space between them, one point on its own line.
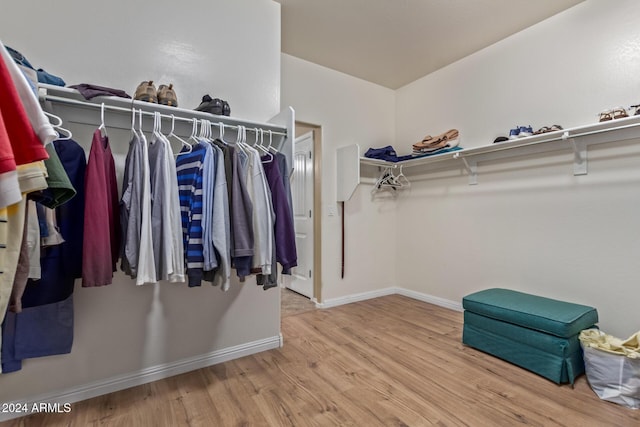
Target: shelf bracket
471 167
579 156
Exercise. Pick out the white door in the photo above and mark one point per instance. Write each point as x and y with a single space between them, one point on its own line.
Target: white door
302 197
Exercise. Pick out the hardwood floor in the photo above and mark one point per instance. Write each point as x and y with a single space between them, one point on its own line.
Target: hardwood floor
390 361
292 303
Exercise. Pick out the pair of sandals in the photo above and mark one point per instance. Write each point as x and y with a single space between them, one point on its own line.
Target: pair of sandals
616 113
429 143
546 129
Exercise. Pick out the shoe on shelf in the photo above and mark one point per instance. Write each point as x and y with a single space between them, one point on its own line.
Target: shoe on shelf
211 105
226 108
637 107
525 131
514 133
606 115
167 96
619 113
146 91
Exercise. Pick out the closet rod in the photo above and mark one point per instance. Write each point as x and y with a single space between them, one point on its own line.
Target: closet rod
253 128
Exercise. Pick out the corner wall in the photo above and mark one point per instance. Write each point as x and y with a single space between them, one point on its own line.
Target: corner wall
530 224
350 111
230 49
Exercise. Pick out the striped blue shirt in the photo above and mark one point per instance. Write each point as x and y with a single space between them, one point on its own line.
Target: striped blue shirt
190 177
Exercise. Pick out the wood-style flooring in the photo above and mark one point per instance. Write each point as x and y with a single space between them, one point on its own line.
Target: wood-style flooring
389 361
293 303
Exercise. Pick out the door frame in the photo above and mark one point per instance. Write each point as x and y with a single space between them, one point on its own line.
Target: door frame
301 128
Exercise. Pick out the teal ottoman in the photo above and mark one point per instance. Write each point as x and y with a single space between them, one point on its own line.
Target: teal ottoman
536 333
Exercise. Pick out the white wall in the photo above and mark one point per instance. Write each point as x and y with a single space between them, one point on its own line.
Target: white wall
229 49
350 111
530 224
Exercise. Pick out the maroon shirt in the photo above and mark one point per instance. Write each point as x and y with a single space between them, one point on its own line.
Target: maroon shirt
101 241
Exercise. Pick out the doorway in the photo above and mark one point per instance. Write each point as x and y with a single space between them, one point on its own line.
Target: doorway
305 281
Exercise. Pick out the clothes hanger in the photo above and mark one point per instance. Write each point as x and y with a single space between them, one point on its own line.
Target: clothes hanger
140 132
157 127
102 128
401 179
133 122
194 131
184 143
270 147
63 134
261 148
238 143
221 133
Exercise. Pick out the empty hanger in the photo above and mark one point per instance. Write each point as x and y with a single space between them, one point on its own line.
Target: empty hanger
261 148
184 143
63 133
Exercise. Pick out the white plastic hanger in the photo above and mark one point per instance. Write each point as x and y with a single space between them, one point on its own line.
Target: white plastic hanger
56 122
261 148
157 124
271 147
401 179
221 132
133 122
102 128
238 143
140 132
194 132
184 143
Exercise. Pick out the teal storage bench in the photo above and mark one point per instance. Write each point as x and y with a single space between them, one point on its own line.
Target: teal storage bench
536 333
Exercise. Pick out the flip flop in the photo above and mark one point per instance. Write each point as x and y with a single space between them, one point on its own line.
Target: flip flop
439 141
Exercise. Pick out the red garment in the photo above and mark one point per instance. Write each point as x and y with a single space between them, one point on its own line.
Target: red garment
7 162
101 242
25 144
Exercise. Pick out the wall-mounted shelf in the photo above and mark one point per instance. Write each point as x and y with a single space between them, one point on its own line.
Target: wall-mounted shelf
576 139
70 105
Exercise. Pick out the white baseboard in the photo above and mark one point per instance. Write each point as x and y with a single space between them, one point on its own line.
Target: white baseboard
430 299
148 375
334 302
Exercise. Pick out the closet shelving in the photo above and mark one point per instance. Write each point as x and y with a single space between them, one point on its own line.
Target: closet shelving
576 139
72 107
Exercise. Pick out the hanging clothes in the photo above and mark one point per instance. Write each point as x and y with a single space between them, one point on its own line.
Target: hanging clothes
45 325
101 243
208 186
240 212
130 208
220 225
146 259
168 251
22 139
285 242
262 213
189 175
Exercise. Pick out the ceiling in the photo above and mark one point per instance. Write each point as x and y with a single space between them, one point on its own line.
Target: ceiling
394 42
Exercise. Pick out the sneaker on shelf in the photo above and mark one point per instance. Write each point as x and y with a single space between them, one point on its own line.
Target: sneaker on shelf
514 133
226 108
210 105
167 96
525 131
146 91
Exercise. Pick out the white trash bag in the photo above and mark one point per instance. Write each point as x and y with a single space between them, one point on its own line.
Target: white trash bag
612 366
